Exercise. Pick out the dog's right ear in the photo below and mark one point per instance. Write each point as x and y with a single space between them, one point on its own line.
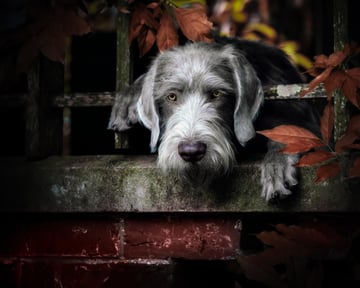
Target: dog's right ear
146 108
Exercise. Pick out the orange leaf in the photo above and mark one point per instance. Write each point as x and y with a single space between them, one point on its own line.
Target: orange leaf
355 168
313 158
293 135
327 171
327 122
167 36
194 23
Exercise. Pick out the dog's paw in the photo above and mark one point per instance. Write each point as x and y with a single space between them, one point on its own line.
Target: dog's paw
278 175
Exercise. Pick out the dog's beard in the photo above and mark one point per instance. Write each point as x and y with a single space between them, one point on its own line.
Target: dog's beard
197 121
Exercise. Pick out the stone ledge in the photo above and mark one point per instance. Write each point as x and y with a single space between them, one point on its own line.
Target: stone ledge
120 183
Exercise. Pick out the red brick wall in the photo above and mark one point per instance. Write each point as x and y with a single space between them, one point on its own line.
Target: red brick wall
130 250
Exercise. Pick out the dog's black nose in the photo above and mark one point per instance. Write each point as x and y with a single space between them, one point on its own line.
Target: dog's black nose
192 151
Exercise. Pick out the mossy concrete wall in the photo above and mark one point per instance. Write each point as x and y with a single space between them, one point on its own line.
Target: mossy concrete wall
134 184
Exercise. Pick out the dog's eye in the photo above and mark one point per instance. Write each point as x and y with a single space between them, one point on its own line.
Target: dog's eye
216 94
171 97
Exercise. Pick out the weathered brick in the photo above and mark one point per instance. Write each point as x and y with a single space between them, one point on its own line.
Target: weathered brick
198 237
60 237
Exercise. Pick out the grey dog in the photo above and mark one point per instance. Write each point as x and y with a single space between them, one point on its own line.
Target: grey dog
203 102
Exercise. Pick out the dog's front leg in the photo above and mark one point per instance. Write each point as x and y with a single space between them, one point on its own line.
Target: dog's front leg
278 174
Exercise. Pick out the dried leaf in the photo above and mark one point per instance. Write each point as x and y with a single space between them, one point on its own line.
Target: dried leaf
313 158
355 168
294 136
327 122
327 171
167 36
194 23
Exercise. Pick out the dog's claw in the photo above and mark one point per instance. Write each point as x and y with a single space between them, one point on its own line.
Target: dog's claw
278 176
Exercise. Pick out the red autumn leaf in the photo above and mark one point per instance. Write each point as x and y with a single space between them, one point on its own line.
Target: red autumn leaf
354 146
346 141
299 147
314 238
194 23
313 158
73 24
351 87
140 17
317 80
321 61
334 81
294 136
338 57
354 73
327 171
327 122
146 40
167 36
153 5
352 133
54 49
355 168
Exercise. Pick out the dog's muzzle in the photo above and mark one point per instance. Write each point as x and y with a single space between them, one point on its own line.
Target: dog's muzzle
192 151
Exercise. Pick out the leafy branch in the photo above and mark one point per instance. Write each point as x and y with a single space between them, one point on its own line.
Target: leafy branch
158 23
329 71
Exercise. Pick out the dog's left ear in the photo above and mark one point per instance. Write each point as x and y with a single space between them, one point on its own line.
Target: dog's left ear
249 95
147 111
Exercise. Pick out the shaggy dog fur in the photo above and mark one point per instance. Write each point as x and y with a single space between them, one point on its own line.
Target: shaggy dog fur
203 102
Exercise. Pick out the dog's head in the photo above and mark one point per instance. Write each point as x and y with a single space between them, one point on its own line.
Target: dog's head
196 98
